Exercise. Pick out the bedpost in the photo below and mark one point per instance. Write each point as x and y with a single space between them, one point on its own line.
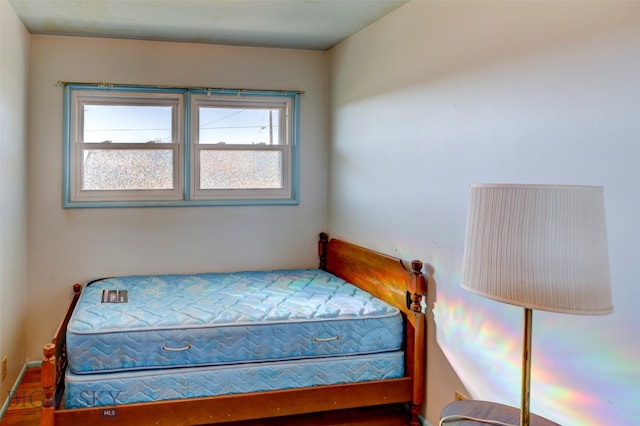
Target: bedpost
76 290
48 379
417 289
419 365
322 249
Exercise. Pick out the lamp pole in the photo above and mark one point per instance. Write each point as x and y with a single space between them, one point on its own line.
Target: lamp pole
526 368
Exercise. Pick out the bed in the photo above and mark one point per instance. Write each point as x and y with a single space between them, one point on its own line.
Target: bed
343 341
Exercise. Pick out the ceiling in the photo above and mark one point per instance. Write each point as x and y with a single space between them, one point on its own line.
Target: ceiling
299 24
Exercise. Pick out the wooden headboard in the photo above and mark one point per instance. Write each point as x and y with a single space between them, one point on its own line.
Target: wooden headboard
384 276
388 278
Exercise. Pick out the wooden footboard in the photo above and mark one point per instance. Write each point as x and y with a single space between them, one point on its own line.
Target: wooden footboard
402 285
54 365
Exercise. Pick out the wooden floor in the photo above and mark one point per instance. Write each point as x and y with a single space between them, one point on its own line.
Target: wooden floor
24 406
24 410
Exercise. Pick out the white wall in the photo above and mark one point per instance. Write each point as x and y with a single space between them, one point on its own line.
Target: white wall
66 246
14 56
439 95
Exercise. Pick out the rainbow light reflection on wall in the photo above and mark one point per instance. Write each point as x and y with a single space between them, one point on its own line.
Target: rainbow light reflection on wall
483 341
576 379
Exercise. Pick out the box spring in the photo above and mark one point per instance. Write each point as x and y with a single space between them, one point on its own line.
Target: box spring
113 389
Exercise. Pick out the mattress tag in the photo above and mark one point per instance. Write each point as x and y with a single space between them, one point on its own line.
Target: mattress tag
115 296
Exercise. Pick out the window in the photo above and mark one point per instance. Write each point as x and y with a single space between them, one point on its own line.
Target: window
136 146
240 148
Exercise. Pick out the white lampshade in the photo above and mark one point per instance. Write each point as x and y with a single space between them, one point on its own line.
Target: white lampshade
539 247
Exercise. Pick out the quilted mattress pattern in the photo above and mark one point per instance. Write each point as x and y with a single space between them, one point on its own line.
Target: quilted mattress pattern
113 389
226 318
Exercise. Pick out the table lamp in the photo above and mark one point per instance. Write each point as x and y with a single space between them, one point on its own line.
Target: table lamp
539 247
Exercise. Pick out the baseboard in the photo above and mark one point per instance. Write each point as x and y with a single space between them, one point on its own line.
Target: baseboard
33 364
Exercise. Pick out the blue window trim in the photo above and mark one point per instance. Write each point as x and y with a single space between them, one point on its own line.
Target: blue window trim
67 201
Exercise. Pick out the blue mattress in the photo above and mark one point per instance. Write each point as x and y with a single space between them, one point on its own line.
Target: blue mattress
216 319
113 389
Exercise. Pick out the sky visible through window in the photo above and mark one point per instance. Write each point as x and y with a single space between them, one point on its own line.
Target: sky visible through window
238 126
142 124
127 124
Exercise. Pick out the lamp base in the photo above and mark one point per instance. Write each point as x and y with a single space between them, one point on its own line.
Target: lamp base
461 412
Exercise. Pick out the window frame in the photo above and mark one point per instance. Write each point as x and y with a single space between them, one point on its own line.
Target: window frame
283 146
184 145
78 146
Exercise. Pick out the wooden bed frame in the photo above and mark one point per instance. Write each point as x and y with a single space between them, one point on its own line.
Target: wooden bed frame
384 276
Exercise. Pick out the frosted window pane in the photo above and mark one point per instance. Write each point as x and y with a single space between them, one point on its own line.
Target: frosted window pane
114 169
240 169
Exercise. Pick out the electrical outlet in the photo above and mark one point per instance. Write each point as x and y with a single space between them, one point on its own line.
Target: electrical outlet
4 368
460 396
